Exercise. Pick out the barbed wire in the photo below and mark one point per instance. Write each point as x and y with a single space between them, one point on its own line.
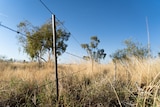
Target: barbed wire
60 78
46 6
74 55
18 32
68 31
60 22
65 29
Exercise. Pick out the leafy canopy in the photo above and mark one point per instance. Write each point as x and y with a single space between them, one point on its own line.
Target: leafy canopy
94 53
132 49
39 40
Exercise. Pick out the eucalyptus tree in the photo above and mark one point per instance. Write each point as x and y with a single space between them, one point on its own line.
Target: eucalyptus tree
132 49
125 55
94 53
38 41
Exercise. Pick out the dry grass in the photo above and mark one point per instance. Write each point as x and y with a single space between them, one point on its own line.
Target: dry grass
130 84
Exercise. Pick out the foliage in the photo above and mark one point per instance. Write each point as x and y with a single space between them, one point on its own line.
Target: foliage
132 50
94 53
39 40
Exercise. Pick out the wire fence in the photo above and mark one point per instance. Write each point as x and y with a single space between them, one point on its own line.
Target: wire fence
67 53
61 77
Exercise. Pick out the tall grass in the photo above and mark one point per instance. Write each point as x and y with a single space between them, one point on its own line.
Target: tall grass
27 84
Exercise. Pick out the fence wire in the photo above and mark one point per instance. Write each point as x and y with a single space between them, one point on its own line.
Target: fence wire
39 86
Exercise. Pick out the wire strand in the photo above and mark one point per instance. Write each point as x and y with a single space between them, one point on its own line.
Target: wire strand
59 21
68 31
18 32
31 38
75 55
12 29
46 6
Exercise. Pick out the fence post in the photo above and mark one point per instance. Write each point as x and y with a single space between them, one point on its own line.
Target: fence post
54 53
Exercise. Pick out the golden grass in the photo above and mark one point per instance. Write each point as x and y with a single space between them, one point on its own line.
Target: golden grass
134 83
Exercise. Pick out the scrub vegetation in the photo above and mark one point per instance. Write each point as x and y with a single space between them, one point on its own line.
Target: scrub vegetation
132 84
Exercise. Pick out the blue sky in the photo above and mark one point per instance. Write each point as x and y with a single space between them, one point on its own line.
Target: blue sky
111 20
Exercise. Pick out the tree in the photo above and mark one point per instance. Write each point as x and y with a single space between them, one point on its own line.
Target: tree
132 49
38 41
124 55
94 53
